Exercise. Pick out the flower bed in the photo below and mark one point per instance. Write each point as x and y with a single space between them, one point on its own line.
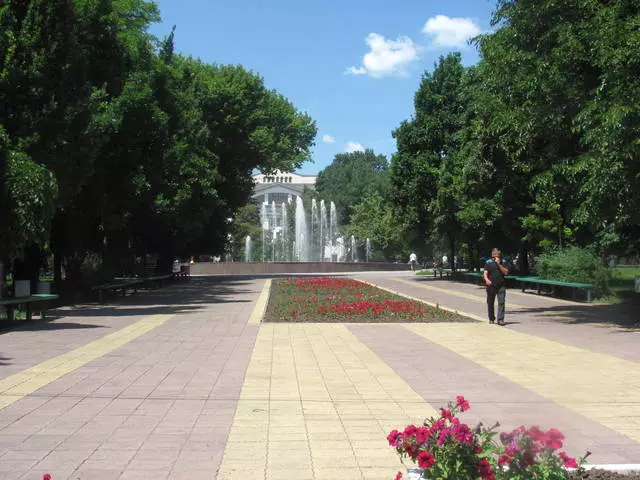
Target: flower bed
334 299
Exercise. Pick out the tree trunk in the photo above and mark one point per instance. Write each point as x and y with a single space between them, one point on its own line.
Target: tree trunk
57 268
524 261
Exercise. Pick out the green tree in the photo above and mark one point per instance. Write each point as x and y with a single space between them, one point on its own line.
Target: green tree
349 177
375 219
427 169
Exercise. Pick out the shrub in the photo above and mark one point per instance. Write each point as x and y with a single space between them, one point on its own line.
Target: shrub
574 264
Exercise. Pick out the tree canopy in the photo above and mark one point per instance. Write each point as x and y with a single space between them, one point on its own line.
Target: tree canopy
538 144
113 144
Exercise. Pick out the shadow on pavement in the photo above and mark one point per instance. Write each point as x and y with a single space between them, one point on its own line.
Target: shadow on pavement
5 360
624 315
175 298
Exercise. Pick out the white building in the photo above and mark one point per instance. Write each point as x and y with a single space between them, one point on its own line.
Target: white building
279 186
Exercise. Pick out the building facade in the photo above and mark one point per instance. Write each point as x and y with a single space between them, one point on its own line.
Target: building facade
279 187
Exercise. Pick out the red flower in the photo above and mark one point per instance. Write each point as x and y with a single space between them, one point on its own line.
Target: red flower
485 470
462 404
422 434
511 450
46 476
503 460
425 460
567 461
536 433
446 414
398 475
553 439
463 433
394 438
410 430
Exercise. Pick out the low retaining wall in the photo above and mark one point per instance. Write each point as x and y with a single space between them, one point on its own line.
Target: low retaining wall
241 268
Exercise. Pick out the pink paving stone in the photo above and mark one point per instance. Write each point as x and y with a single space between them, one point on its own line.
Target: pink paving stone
134 412
540 317
439 375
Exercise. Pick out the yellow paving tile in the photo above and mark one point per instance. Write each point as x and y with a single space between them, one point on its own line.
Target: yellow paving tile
15 387
325 392
600 387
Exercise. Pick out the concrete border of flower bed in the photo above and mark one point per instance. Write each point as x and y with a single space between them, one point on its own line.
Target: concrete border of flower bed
618 468
434 305
260 308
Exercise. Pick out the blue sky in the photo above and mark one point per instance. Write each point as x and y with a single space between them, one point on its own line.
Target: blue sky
354 66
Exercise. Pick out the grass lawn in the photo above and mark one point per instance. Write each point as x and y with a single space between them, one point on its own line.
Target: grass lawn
428 271
331 299
622 281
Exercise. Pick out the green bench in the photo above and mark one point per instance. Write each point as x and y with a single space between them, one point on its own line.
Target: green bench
444 272
539 282
41 298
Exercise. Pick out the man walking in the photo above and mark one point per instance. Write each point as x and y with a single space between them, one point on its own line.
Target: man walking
494 273
413 260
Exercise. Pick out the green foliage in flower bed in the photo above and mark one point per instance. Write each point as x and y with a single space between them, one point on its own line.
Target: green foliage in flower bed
330 299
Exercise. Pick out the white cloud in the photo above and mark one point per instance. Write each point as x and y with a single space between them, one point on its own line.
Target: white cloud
450 32
328 139
353 147
386 57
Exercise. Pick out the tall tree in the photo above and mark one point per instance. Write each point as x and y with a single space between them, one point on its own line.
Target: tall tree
346 180
427 168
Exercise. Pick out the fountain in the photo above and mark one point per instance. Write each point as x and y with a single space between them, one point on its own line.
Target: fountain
302 245
313 236
354 253
247 249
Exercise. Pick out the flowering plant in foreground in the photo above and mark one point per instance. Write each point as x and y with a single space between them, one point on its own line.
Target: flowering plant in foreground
444 448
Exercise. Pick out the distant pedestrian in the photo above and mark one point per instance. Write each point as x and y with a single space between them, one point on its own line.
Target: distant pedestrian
494 273
413 260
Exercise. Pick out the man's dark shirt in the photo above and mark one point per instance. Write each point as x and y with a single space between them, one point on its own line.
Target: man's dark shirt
495 274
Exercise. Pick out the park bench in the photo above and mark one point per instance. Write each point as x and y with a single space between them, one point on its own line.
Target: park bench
539 282
122 285
41 298
443 272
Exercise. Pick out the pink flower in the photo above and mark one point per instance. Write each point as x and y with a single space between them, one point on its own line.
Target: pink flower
398 475
512 449
425 460
410 430
485 470
46 476
567 461
463 433
422 434
553 439
394 438
462 404
446 414
536 433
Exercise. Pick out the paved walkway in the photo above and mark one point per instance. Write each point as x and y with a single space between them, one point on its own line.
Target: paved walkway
180 383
